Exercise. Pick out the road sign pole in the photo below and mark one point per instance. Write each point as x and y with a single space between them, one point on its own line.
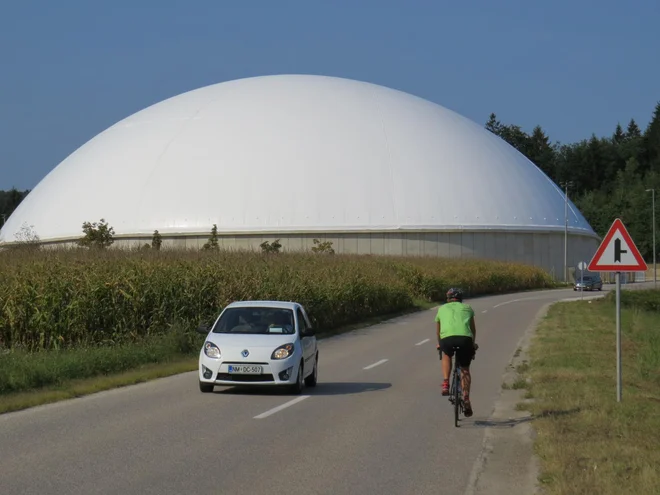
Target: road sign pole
617 253
618 336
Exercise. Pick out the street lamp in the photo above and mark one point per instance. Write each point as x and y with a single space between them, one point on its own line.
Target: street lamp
655 266
566 185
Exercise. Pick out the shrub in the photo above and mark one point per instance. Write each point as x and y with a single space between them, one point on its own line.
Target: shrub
322 247
267 247
646 300
97 235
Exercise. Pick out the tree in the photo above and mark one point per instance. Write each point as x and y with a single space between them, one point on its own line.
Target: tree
618 137
156 240
633 131
494 125
651 141
97 235
540 152
9 201
610 175
213 240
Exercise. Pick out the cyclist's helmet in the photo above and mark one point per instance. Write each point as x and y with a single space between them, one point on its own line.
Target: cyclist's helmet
455 294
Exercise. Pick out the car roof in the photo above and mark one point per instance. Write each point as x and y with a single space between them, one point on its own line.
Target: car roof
268 304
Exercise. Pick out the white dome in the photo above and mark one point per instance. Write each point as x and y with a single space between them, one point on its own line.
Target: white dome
294 153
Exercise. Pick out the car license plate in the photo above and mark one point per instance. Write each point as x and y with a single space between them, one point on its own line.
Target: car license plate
245 369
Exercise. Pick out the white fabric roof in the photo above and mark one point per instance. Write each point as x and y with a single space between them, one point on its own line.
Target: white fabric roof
293 153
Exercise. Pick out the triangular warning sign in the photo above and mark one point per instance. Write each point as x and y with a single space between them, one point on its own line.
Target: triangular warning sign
617 252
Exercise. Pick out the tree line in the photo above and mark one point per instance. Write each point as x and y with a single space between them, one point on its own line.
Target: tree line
607 177
9 201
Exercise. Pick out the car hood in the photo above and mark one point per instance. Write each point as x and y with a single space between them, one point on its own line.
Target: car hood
246 340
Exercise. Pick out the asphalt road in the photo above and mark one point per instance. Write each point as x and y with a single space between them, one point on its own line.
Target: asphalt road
375 424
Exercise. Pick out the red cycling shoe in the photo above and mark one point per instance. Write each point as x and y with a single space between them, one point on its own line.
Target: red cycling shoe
445 387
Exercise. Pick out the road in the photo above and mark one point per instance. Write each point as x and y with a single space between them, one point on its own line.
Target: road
375 424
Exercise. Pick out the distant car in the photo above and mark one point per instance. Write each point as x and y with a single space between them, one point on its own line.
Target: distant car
588 282
259 343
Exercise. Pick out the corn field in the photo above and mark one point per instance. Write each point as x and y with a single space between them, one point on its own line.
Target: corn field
63 299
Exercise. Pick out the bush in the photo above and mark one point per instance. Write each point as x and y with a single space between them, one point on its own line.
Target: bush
646 300
60 299
97 235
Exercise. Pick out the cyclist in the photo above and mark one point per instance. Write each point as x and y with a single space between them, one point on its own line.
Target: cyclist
455 327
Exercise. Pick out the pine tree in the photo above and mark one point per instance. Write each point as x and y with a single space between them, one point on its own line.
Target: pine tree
651 143
619 136
633 130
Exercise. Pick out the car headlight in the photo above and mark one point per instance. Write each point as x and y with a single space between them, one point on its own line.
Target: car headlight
282 352
211 350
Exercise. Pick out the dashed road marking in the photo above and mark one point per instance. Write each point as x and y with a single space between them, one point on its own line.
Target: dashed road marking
422 342
283 406
518 300
375 364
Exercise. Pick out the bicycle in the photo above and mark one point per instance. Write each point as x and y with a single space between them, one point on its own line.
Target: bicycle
455 388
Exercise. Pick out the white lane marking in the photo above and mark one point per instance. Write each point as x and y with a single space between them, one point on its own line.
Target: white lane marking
375 364
517 300
283 406
422 342
485 311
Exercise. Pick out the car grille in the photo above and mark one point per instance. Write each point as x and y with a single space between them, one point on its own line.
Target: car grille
267 377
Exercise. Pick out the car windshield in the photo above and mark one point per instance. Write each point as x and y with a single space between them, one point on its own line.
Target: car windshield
256 320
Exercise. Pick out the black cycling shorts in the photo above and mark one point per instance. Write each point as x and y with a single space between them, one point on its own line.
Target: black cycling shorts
464 354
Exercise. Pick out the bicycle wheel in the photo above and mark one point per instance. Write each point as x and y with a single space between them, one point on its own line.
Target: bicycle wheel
457 395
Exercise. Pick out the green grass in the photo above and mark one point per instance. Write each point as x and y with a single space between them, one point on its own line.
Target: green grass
21 371
587 442
70 389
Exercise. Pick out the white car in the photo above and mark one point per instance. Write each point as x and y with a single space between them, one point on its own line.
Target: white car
259 343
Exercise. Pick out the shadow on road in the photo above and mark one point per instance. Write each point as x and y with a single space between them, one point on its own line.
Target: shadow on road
498 423
322 388
346 388
512 422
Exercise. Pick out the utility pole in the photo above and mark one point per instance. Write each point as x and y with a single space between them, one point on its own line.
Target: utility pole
566 185
655 266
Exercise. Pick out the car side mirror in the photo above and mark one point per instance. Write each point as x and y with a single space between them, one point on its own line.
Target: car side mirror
309 332
203 329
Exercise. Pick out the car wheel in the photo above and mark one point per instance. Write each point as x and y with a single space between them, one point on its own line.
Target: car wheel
310 381
205 387
297 388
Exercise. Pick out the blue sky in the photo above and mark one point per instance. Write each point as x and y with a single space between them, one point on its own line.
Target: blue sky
70 69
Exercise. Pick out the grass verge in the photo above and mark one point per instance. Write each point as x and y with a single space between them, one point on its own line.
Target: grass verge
587 442
70 389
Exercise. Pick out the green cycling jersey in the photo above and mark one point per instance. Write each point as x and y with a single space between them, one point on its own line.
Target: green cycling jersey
454 318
